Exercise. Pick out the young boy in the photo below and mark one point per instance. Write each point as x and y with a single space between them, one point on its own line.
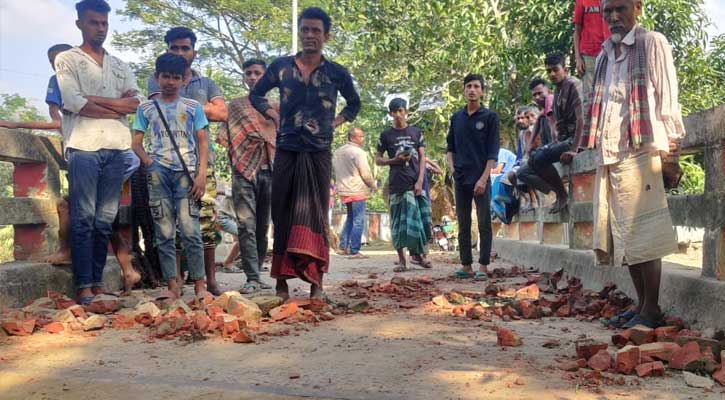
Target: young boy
172 198
409 207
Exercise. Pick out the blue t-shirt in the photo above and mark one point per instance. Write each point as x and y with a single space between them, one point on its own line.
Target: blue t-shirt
508 158
185 117
52 96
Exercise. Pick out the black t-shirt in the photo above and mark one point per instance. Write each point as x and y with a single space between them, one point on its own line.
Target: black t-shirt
394 141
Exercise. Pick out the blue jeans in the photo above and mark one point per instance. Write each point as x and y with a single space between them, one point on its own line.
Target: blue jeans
95 179
169 204
352 231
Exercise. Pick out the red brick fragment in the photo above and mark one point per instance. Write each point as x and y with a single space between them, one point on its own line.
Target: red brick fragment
476 312
641 334
528 310
507 338
144 319
662 351
570 366
201 322
563 311
666 333
719 376
587 348
244 336
628 358
213 311
19 327
530 292
458 311
284 311
601 361
622 338
54 327
656 368
688 353
122 322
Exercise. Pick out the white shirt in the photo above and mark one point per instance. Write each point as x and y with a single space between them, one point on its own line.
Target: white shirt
662 96
79 75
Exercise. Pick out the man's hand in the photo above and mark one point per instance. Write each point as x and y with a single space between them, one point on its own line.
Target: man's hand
580 66
274 116
129 93
8 124
418 188
147 162
401 159
567 158
197 191
480 187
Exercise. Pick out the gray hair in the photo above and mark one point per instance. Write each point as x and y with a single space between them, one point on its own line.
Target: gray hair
351 132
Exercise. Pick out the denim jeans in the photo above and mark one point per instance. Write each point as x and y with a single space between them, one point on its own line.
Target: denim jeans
352 231
464 198
253 206
169 204
95 179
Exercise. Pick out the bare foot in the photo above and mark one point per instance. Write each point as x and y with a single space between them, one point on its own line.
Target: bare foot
199 287
61 257
98 290
130 279
282 289
315 292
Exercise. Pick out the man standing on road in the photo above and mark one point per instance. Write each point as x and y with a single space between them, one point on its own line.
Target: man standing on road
182 41
353 179
249 138
98 90
472 151
633 121
308 84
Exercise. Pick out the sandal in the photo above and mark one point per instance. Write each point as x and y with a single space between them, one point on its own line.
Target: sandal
640 320
418 260
618 320
461 274
84 301
480 276
250 287
232 269
359 256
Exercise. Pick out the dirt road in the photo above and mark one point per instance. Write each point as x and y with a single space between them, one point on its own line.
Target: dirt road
398 353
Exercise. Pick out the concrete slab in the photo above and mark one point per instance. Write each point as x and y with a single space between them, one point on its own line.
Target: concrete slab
683 291
22 281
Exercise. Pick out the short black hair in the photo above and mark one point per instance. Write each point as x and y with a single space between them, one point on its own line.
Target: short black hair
180 32
396 104
522 110
57 48
99 6
536 82
316 13
474 77
171 64
555 58
254 61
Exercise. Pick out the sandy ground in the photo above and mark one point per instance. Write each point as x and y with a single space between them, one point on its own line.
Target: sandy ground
418 353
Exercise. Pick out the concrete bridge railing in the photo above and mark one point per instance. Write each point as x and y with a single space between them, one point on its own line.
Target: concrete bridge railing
706 134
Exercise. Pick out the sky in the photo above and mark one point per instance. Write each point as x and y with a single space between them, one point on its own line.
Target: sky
29 27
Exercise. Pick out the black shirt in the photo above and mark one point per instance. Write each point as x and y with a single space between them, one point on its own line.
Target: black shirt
473 140
393 141
307 111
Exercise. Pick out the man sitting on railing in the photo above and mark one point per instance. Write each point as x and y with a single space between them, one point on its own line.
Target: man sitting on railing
633 120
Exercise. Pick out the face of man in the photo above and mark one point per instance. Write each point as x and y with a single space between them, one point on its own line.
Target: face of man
399 116
183 47
539 93
94 27
522 121
170 83
252 74
557 73
473 91
621 16
358 137
313 36
531 116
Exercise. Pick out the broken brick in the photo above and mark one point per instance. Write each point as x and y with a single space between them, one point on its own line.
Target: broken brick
587 348
78 311
244 336
459 310
655 368
103 304
476 312
200 321
662 351
144 319
528 310
441 301
54 327
19 327
507 338
628 358
213 311
601 361
622 338
569 366
719 376
170 326
688 353
641 334
245 309
563 311
94 322
530 292
666 333
229 324
122 322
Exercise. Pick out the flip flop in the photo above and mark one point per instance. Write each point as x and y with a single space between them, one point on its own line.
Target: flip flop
250 287
85 300
640 320
618 320
461 274
480 276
